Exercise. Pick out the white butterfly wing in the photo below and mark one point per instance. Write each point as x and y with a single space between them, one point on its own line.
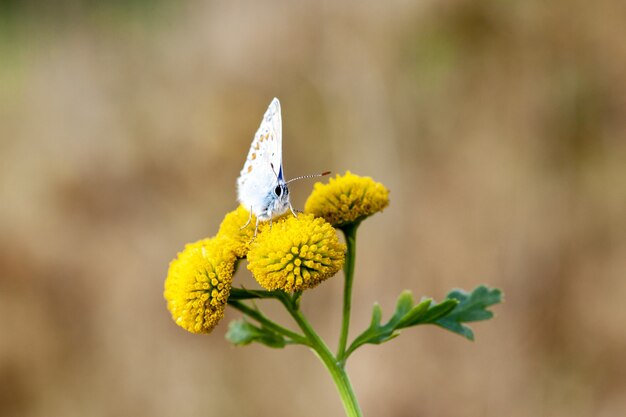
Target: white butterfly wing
264 163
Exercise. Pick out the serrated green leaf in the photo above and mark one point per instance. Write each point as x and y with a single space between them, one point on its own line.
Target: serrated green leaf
471 307
405 315
415 315
456 327
241 332
377 315
440 310
458 307
376 333
403 306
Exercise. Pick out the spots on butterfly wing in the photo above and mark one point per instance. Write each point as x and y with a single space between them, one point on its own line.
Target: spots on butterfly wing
256 147
253 156
249 168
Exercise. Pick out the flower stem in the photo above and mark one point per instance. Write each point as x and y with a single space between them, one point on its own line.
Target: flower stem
258 316
334 367
348 271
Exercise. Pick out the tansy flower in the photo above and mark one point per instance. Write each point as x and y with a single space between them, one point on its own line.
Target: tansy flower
347 199
198 284
296 254
237 239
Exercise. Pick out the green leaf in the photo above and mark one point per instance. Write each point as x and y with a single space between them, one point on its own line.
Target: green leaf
437 311
416 315
403 305
241 333
471 307
458 307
405 314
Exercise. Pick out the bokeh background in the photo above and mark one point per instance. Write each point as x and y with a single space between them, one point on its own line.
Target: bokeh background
499 127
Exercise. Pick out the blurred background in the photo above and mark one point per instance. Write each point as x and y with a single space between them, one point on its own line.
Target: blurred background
498 126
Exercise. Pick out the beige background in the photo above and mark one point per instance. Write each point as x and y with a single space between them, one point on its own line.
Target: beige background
499 127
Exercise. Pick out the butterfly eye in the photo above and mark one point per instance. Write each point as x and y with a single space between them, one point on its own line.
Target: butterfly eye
278 190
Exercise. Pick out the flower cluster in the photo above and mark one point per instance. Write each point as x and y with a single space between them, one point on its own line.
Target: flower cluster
296 254
198 284
292 254
347 199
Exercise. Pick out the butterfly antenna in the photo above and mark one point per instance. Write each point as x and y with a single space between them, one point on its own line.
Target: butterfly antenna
308 176
274 171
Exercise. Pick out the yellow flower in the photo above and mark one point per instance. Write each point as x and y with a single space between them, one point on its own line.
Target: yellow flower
296 254
238 239
198 284
347 199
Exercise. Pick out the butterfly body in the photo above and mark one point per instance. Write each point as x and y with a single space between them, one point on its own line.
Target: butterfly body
261 187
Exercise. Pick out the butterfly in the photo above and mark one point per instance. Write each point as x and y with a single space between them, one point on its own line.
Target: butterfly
261 186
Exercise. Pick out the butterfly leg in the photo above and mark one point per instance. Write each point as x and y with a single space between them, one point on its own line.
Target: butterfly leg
248 222
256 228
292 211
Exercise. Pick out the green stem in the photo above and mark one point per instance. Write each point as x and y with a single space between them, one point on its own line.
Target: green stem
245 294
334 367
348 271
258 316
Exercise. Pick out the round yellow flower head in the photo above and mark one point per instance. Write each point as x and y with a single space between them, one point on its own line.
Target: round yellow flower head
347 199
237 239
296 254
198 284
